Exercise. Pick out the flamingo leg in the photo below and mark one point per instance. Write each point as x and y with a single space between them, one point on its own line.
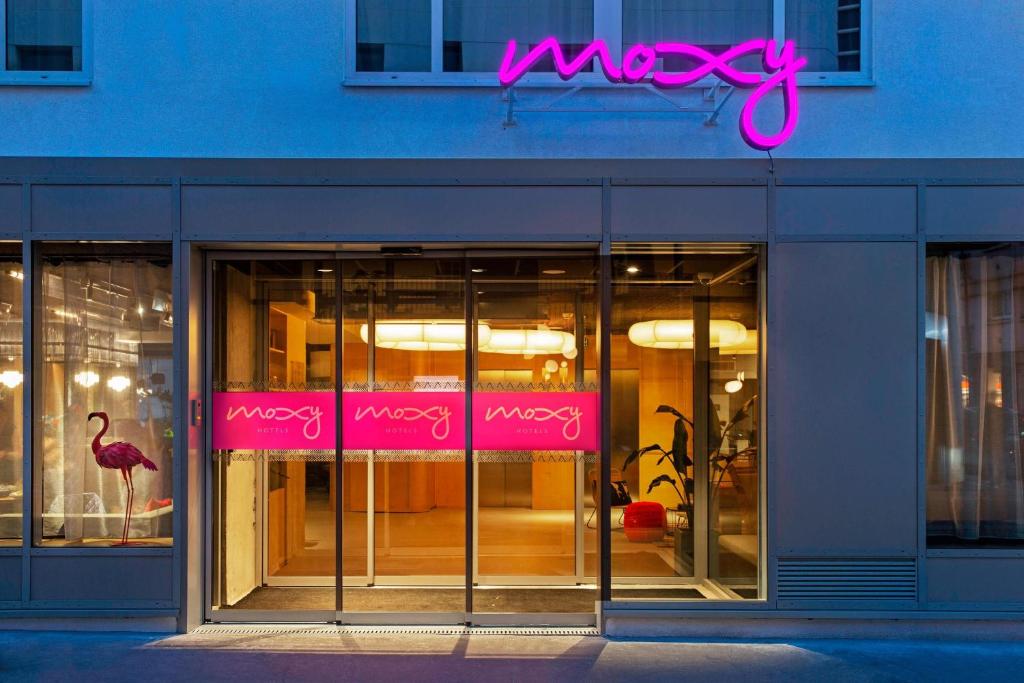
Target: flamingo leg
131 500
128 491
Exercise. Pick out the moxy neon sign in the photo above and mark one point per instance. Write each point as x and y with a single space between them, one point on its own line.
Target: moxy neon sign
639 64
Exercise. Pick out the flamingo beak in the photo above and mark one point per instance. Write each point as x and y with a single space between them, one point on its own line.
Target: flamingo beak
92 415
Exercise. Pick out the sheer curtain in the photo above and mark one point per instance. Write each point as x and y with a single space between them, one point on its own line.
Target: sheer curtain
106 347
974 346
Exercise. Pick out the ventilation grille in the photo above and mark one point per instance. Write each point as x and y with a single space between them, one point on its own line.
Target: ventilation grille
847 579
294 630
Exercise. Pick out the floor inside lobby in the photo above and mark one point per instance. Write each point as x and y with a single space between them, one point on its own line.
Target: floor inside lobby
518 542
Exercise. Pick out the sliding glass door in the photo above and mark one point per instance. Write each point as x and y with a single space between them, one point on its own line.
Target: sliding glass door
417 437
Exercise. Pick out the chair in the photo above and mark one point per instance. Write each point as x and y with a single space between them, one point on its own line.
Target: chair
619 493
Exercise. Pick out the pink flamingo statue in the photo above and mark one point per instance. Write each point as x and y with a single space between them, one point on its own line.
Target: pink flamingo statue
123 456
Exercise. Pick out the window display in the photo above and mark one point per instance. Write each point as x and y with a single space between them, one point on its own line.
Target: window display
12 379
103 394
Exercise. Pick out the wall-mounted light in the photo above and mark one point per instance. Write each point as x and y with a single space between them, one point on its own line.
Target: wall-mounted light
17 274
119 383
11 378
86 378
678 334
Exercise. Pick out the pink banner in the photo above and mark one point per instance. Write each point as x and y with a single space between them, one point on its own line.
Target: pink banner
562 421
404 420
273 420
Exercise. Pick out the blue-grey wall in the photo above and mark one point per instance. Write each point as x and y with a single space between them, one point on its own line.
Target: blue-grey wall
263 78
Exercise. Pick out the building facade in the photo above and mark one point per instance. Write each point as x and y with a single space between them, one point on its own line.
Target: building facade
380 330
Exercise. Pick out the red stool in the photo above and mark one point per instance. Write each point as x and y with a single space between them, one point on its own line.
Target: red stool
645 522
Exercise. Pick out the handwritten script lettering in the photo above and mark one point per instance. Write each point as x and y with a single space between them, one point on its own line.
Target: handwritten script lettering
640 61
569 416
309 415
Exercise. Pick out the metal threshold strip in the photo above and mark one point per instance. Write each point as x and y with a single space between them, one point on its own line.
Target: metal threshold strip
326 629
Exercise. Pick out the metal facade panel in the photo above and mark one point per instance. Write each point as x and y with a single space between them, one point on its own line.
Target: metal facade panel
129 211
842 386
975 580
975 210
91 578
10 577
10 208
391 213
862 210
675 212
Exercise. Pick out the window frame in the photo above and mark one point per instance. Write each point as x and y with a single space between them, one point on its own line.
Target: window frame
49 78
607 24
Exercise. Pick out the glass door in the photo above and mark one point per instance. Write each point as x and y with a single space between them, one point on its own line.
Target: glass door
535 434
341 421
403 436
273 481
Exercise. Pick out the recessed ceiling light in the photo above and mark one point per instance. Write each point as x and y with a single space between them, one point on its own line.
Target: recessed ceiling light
632 270
477 270
553 271
325 270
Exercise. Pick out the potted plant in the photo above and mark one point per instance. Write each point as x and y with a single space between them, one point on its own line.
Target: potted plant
719 464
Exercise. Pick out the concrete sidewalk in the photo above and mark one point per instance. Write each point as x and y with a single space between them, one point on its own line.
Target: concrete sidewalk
296 656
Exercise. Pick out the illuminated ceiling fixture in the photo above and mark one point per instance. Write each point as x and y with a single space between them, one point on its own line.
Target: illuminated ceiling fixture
553 271
11 378
531 342
678 334
734 385
423 335
119 382
17 274
87 378
632 270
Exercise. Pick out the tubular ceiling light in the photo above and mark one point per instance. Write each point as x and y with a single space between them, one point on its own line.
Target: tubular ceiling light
11 378
450 335
678 334
422 335
530 342
87 378
119 383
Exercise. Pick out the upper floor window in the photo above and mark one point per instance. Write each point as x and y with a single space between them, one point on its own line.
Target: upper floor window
44 41
462 42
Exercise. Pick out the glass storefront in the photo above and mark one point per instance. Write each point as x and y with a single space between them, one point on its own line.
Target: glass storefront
12 379
342 420
103 402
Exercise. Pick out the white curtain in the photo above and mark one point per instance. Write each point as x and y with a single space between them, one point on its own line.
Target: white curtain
96 317
975 342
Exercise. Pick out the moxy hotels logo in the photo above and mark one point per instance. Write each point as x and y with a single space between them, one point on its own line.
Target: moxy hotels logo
640 64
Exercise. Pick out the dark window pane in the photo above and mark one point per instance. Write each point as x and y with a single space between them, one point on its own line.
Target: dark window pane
974 345
827 32
476 34
393 35
714 25
44 35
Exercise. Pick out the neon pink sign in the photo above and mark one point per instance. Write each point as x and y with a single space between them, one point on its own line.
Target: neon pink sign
273 420
640 61
404 420
556 421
